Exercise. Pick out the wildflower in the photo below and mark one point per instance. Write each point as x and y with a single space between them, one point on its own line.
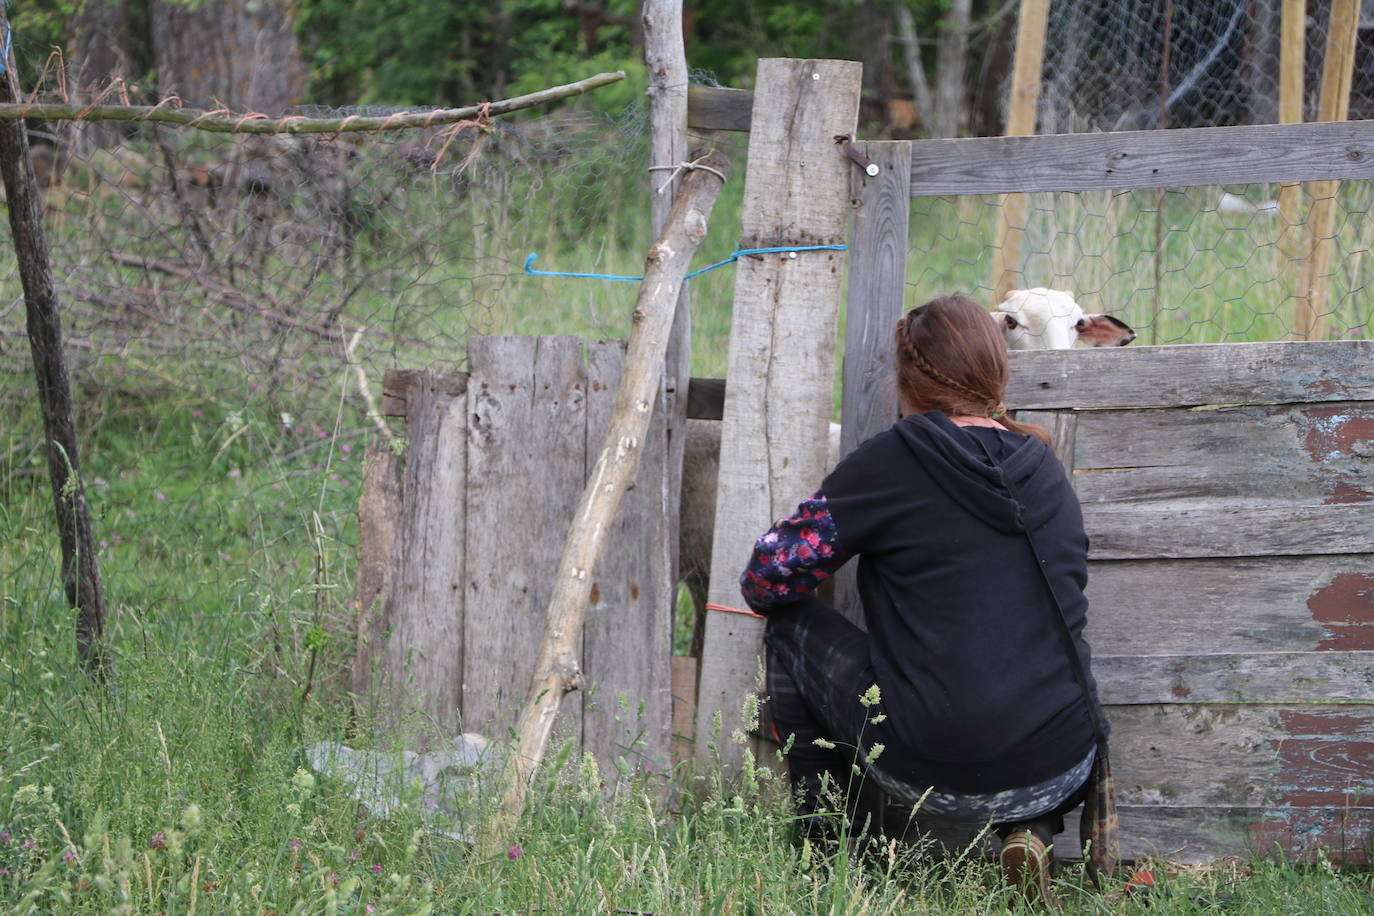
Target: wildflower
353 856
158 841
30 844
345 448
874 752
69 856
294 843
879 719
235 473
376 868
871 696
197 412
4 836
359 835
821 742
514 851
160 496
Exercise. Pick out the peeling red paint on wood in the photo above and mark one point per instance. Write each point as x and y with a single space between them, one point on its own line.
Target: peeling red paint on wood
1338 438
1299 833
1327 757
1346 609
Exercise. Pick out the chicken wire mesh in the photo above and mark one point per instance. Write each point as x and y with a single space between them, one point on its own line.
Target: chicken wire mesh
1142 64
1180 265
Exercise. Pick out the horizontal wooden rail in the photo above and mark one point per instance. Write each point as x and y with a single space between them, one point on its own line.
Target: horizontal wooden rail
1143 159
717 108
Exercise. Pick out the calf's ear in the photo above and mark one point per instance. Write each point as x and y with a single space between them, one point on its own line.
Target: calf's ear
1104 331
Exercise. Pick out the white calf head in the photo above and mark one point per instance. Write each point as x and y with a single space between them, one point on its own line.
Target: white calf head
1050 319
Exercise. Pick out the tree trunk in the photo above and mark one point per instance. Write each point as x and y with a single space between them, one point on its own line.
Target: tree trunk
80 572
950 66
915 68
240 54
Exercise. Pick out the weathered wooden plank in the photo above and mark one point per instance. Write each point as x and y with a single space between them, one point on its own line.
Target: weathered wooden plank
1192 374
627 633
877 288
423 659
1203 833
1227 529
526 467
1285 454
1243 754
1274 604
379 523
1143 159
877 292
782 351
719 108
1257 677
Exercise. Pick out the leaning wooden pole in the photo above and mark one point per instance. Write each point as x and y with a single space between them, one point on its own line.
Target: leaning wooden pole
1021 116
80 571
556 671
1310 321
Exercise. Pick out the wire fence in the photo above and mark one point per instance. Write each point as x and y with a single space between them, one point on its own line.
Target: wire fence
1181 265
1143 64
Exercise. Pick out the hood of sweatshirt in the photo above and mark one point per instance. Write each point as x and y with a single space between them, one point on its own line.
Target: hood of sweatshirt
959 466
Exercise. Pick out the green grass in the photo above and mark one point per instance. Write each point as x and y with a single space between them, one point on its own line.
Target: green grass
223 471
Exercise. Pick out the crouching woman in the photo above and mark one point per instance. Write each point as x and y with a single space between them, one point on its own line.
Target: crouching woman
971 569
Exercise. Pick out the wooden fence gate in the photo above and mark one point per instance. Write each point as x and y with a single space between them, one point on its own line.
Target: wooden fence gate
460 541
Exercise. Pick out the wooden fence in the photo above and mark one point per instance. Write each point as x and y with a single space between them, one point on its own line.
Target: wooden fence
460 539
1232 617
1230 733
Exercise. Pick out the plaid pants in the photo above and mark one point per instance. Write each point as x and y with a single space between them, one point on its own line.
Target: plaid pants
818 673
819 670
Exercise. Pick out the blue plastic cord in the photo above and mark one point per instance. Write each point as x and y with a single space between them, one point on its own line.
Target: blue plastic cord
4 60
618 278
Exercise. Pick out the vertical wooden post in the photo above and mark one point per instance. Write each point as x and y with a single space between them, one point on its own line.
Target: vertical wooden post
1292 55
1025 97
877 296
666 60
782 355
80 570
1310 320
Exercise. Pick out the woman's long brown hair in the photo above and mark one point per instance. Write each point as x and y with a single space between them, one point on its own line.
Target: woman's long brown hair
952 358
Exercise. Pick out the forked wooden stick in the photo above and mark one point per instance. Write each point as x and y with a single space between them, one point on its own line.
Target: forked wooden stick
557 672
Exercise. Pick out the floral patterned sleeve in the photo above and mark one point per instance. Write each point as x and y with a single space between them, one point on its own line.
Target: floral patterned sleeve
793 558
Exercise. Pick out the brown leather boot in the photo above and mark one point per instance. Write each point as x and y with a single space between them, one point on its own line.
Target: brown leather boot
1026 865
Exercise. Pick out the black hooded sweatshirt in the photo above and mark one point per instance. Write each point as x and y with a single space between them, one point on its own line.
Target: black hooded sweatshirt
972 663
